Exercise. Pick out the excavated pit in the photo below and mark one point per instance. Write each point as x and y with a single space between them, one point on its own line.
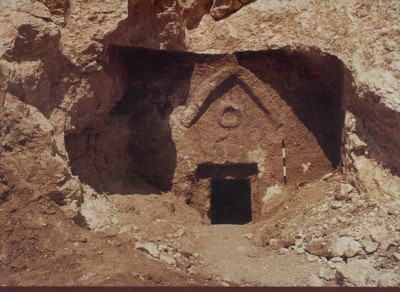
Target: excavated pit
199 124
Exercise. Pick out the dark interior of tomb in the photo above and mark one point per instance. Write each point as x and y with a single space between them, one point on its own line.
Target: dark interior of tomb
159 81
231 201
222 171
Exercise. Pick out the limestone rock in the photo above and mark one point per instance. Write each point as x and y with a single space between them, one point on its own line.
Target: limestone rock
393 208
344 192
64 72
182 262
272 191
327 176
369 246
380 235
357 143
388 279
319 247
357 272
248 235
57 7
32 155
306 166
170 206
337 205
149 248
193 10
36 9
346 246
167 258
336 260
287 240
72 210
221 8
396 256
327 274
315 281
312 258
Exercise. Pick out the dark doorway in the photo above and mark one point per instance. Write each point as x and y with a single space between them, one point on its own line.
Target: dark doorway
231 201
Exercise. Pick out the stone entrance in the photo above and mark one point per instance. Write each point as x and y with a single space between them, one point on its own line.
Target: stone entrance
231 201
230 198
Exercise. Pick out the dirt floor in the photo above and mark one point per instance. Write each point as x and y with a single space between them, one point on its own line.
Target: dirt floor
154 240
229 255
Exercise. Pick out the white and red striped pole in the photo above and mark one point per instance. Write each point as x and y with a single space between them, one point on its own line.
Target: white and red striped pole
284 162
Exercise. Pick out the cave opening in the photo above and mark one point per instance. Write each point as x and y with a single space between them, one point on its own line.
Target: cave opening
231 201
140 144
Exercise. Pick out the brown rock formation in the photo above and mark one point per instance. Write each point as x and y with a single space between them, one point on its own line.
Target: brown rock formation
138 96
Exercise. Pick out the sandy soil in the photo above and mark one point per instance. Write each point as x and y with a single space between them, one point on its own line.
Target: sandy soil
41 246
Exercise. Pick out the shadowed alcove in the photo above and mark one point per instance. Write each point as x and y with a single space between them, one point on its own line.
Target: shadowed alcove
208 125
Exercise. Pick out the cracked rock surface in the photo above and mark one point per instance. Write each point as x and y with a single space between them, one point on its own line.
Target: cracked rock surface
98 183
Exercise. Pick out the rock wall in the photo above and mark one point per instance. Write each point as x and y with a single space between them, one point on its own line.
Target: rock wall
363 36
58 80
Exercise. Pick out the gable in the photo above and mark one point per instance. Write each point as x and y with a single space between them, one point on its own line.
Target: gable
213 88
232 110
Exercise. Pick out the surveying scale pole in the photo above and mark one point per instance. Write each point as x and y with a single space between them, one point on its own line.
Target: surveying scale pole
284 162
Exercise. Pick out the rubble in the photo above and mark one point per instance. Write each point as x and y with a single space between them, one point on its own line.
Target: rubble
149 248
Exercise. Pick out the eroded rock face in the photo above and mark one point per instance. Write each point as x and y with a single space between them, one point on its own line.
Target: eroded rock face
39 169
222 8
81 108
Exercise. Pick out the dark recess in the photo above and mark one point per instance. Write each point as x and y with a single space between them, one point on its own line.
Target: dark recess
231 201
222 171
312 87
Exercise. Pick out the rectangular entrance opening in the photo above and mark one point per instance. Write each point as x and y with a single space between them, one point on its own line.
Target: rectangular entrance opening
231 201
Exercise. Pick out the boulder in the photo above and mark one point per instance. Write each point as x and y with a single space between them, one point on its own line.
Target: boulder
380 235
346 246
357 272
327 274
287 240
343 191
312 258
336 260
388 279
192 11
299 250
356 143
319 247
369 246
335 247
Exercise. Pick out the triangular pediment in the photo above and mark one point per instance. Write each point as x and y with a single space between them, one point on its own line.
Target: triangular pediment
221 82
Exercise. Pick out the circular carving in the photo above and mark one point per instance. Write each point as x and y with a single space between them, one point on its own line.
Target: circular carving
230 117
